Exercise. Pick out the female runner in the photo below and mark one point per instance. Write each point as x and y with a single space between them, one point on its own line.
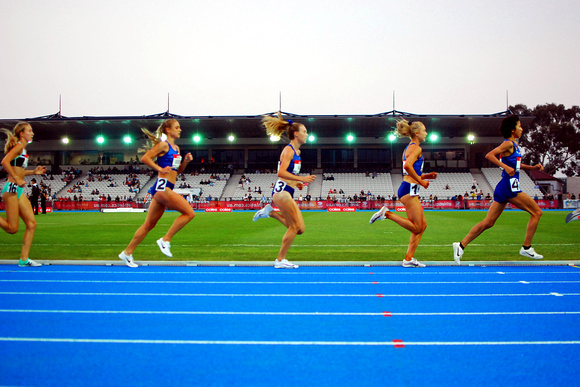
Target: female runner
17 204
413 177
169 164
507 190
288 181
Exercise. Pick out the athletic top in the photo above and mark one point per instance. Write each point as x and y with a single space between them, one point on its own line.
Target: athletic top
171 159
417 165
514 160
21 160
295 163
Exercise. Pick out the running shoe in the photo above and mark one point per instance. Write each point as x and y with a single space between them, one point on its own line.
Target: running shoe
412 263
380 215
572 216
530 253
128 259
165 247
284 264
28 263
457 252
263 213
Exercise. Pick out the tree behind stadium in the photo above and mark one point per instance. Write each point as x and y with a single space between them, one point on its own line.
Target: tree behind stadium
553 137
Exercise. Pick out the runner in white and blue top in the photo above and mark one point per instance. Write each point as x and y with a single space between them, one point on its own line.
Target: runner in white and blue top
413 178
17 205
288 180
168 165
507 190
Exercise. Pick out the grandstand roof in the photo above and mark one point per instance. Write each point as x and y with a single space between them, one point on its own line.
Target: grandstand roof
371 125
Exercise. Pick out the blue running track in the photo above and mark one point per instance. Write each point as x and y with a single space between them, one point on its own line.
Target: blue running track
321 326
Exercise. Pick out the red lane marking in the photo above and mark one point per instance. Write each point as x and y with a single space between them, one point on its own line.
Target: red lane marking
380 295
387 314
375 283
398 344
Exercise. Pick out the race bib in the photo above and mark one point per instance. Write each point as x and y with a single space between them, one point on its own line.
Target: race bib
160 184
25 162
414 189
12 188
279 186
297 165
518 163
176 162
515 184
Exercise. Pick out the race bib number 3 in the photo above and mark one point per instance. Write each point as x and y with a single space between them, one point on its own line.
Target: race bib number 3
414 190
279 186
515 185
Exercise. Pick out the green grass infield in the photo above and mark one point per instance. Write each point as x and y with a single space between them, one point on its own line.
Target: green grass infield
328 237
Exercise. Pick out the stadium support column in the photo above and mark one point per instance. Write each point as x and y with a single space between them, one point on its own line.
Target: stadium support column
355 157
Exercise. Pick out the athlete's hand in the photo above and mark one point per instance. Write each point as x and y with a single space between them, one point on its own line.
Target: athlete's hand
188 157
510 171
19 181
40 170
165 170
539 167
430 175
308 179
300 185
424 183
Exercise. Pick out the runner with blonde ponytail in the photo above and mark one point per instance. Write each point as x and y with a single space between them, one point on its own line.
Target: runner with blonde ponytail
17 205
288 181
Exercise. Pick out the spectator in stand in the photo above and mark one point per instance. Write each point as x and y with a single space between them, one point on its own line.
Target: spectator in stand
17 205
288 181
169 164
507 190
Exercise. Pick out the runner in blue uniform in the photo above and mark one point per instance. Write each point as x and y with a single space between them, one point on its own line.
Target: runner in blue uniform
507 190
288 181
169 164
17 205
413 179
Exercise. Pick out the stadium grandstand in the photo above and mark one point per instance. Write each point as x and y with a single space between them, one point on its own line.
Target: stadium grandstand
357 158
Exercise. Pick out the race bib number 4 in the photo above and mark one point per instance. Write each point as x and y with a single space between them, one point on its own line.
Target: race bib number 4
515 185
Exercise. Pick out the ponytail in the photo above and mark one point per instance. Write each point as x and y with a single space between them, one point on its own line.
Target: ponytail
154 138
276 126
13 136
408 129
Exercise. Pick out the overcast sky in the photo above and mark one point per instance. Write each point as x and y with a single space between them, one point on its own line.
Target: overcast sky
217 57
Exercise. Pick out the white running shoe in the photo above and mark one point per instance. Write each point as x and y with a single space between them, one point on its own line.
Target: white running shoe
457 252
165 247
28 263
380 215
284 264
263 213
530 253
412 263
128 259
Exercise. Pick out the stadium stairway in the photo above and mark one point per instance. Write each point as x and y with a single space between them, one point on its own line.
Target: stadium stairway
315 188
482 182
230 188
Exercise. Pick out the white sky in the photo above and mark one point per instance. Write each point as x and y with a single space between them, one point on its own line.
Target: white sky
218 57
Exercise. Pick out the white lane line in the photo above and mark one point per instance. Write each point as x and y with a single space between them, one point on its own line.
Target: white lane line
394 343
289 282
280 294
238 313
191 272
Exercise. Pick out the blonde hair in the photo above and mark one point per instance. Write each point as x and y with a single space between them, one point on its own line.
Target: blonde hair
408 129
275 126
154 138
13 136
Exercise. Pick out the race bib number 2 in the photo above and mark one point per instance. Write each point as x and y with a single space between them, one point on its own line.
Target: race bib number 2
160 185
